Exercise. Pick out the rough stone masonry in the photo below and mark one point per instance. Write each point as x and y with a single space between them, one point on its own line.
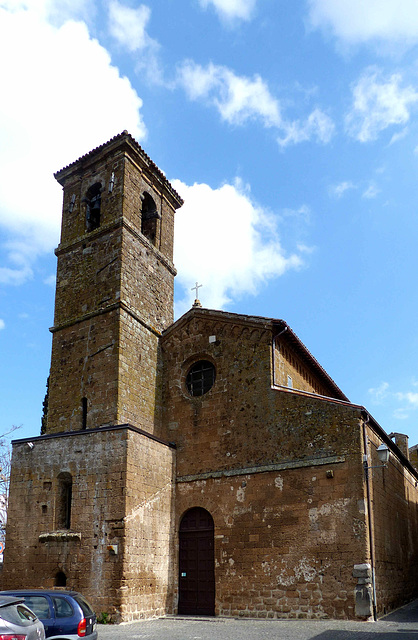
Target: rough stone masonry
204 466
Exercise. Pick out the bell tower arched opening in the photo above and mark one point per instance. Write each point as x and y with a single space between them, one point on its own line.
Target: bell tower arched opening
150 217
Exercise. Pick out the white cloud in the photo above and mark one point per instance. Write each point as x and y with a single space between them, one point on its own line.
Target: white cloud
371 192
359 21
318 125
231 9
50 281
380 393
240 99
379 103
411 397
237 98
128 26
340 189
401 414
400 405
50 118
302 213
53 11
399 136
20 255
2 324
227 243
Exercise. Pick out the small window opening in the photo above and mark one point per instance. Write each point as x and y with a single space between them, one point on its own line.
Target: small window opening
150 216
60 579
84 413
200 378
93 202
290 382
64 498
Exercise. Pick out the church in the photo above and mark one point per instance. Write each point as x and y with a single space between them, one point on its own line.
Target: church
203 466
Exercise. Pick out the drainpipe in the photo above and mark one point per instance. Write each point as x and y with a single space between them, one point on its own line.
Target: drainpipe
369 515
272 352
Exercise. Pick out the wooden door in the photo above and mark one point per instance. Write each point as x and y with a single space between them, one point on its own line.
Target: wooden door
196 564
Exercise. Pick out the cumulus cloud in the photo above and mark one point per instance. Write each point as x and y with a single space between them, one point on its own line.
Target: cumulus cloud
231 10
240 99
50 118
237 98
227 243
360 21
128 27
379 103
2 324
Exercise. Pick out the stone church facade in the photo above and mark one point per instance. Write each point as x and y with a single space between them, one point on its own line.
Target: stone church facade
208 466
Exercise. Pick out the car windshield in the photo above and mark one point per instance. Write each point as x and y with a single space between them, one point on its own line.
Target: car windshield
18 614
85 607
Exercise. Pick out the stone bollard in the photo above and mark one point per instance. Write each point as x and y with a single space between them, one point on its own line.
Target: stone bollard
363 592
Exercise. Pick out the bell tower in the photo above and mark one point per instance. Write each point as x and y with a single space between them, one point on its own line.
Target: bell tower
114 292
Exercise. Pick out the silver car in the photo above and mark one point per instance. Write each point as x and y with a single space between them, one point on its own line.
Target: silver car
17 622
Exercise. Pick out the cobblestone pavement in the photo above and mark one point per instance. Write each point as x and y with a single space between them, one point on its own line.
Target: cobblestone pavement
400 625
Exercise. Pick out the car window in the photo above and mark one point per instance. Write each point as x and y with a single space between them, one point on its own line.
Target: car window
85 607
16 615
39 605
63 609
25 613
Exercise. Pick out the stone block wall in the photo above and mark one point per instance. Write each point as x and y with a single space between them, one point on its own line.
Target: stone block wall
138 180
394 496
88 275
117 548
290 371
84 364
243 421
139 376
147 583
284 540
279 471
37 551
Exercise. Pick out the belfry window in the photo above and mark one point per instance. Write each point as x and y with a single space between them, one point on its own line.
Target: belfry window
93 202
63 503
200 378
149 218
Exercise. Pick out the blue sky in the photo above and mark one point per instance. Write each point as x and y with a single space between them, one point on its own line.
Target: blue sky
290 128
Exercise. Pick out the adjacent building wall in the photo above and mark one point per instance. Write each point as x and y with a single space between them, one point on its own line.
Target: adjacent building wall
117 548
394 522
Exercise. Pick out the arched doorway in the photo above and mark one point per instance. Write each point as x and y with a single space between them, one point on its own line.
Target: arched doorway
196 563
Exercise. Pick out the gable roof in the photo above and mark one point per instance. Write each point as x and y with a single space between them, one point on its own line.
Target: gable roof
276 326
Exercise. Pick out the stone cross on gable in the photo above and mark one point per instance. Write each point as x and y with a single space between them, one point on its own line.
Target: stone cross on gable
196 289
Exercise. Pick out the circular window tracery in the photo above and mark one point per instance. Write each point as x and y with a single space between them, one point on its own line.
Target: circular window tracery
200 378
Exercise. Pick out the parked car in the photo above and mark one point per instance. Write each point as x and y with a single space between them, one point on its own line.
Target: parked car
17 622
66 615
